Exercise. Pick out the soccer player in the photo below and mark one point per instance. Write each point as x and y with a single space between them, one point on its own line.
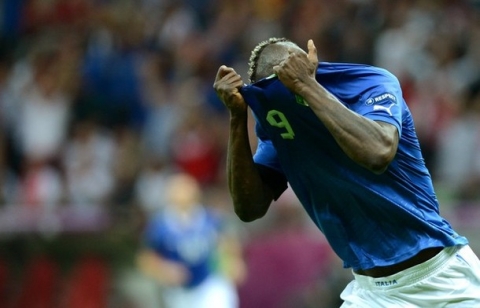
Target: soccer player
184 241
342 136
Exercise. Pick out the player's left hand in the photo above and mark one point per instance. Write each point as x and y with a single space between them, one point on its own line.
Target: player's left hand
298 68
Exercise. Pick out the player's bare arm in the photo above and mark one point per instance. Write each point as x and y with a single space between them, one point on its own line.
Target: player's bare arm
371 144
251 197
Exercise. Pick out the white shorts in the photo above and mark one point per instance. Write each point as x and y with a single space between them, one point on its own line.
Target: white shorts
449 279
215 292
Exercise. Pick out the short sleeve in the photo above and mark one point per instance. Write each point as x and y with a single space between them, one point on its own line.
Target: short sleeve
266 155
382 102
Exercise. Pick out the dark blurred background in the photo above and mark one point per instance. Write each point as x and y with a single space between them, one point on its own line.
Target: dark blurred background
101 100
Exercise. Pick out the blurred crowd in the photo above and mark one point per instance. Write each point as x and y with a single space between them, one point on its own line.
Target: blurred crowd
101 100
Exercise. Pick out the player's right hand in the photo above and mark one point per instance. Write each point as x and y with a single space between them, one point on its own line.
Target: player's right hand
227 84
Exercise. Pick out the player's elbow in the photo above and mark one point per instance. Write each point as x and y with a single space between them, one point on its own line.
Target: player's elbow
250 204
247 215
378 168
249 211
383 150
382 158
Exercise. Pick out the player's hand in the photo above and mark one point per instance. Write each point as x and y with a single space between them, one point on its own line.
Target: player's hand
227 85
299 68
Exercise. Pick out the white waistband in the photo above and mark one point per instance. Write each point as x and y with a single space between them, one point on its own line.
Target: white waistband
410 275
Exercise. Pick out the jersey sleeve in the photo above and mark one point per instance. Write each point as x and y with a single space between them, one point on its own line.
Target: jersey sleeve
266 154
382 102
266 161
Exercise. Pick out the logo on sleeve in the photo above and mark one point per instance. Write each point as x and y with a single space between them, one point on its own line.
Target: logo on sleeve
387 109
381 98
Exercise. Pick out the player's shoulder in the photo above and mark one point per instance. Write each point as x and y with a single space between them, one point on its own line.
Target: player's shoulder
156 228
354 71
157 220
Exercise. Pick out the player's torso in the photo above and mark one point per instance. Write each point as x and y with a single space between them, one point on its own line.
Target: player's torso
190 244
346 201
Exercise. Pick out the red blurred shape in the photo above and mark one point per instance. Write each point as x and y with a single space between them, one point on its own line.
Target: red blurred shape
38 289
88 286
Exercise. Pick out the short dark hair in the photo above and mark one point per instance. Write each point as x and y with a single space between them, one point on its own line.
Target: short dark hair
263 67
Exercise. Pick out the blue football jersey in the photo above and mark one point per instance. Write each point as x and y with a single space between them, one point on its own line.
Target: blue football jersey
369 219
194 245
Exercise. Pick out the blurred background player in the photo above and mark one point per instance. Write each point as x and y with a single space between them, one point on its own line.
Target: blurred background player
188 253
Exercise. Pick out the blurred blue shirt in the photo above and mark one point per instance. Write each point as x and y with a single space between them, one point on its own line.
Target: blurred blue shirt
193 245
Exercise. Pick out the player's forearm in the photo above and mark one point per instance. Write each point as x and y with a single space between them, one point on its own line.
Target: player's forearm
163 271
250 199
363 140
